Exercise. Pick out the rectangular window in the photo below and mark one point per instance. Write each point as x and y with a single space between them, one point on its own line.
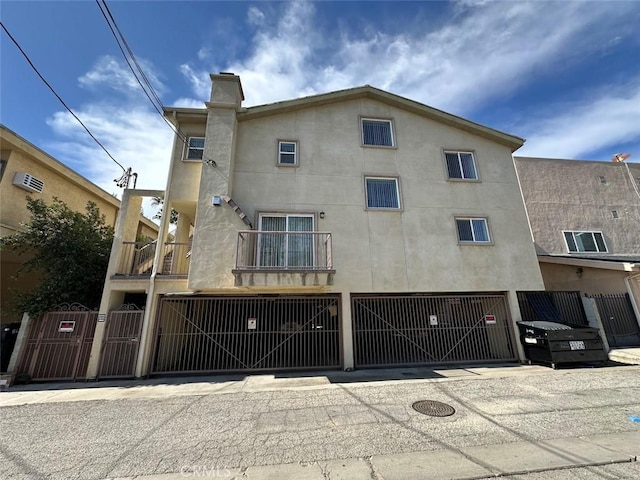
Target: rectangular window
286 250
377 133
382 193
473 230
195 148
585 242
287 153
3 166
461 165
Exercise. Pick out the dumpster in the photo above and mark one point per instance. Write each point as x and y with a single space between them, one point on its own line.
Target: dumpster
553 343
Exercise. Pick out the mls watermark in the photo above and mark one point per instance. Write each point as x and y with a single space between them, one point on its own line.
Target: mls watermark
204 471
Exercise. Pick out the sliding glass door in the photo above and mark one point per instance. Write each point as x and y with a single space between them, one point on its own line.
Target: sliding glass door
282 249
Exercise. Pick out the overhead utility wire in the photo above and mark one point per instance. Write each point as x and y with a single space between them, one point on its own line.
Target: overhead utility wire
58 96
156 101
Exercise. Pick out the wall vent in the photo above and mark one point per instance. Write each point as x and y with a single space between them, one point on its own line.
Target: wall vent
28 182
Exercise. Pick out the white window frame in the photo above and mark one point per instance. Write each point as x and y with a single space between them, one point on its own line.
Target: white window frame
381 177
380 120
188 148
280 153
592 232
287 216
462 178
470 219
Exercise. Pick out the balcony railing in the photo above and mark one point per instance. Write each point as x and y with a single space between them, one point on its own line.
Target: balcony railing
283 251
175 260
137 259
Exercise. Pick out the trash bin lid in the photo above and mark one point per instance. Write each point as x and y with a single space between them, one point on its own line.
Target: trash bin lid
544 325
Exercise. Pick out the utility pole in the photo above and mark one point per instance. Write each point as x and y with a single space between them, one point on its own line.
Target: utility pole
125 179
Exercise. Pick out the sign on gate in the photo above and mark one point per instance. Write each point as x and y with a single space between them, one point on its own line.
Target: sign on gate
490 319
251 324
66 326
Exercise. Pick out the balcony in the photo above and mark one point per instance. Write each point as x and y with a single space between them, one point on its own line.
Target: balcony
283 258
136 259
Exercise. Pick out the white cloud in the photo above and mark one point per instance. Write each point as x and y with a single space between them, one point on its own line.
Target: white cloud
199 81
606 120
111 73
484 51
188 103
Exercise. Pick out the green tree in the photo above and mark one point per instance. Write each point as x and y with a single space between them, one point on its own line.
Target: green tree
70 250
157 201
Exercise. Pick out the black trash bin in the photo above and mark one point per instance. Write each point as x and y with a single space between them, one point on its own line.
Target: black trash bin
553 343
8 336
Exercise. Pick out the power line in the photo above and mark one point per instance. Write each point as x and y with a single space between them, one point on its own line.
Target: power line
58 96
149 91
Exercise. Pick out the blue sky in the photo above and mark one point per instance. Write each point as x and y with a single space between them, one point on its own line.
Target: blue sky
563 75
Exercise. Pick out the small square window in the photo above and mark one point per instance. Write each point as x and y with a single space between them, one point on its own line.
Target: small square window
461 165
382 193
585 242
614 213
287 153
195 148
473 230
378 133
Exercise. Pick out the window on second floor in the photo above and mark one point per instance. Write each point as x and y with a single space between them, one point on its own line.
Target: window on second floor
585 241
194 149
287 153
461 165
382 193
472 230
377 133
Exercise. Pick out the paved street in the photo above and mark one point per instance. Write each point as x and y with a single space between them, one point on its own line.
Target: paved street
524 422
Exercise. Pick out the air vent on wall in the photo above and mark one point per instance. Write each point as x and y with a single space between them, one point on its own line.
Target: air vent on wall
28 182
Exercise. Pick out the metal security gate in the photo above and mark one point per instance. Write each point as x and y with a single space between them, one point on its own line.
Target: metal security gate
121 342
59 344
552 306
225 334
618 319
428 329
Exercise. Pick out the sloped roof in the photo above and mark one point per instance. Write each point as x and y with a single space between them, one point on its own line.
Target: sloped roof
365 91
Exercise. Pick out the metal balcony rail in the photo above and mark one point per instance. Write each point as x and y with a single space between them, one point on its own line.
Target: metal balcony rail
283 251
136 258
175 260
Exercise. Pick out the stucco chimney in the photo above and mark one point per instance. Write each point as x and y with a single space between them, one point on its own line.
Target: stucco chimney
226 90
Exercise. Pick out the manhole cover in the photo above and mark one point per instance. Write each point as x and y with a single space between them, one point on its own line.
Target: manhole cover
433 408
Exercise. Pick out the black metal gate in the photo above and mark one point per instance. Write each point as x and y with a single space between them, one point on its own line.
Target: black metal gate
425 329
552 306
121 342
59 344
618 319
236 333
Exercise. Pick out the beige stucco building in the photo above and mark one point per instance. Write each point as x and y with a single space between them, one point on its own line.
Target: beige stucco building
585 221
342 230
26 170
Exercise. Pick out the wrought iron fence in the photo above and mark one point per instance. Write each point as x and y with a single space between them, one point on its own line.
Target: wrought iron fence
618 319
264 250
175 260
561 307
136 258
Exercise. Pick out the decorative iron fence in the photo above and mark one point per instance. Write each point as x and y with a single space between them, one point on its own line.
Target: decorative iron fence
264 250
618 319
235 333
422 329
561 307
121 342
59 344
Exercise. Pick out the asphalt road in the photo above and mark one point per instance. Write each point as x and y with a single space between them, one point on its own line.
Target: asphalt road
239 426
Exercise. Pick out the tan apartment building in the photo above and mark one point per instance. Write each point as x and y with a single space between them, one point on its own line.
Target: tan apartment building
26 170
585 222
344 230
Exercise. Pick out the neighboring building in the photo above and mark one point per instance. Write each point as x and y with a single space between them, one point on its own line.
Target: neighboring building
349 229
585 221
26 170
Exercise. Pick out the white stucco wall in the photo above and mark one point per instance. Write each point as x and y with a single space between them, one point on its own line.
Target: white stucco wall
414 249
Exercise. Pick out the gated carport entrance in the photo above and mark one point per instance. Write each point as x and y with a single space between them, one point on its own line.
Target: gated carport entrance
420 329
242 333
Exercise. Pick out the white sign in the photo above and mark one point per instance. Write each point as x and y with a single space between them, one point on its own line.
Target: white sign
251 324
433 320
102 317
66 326
490 319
